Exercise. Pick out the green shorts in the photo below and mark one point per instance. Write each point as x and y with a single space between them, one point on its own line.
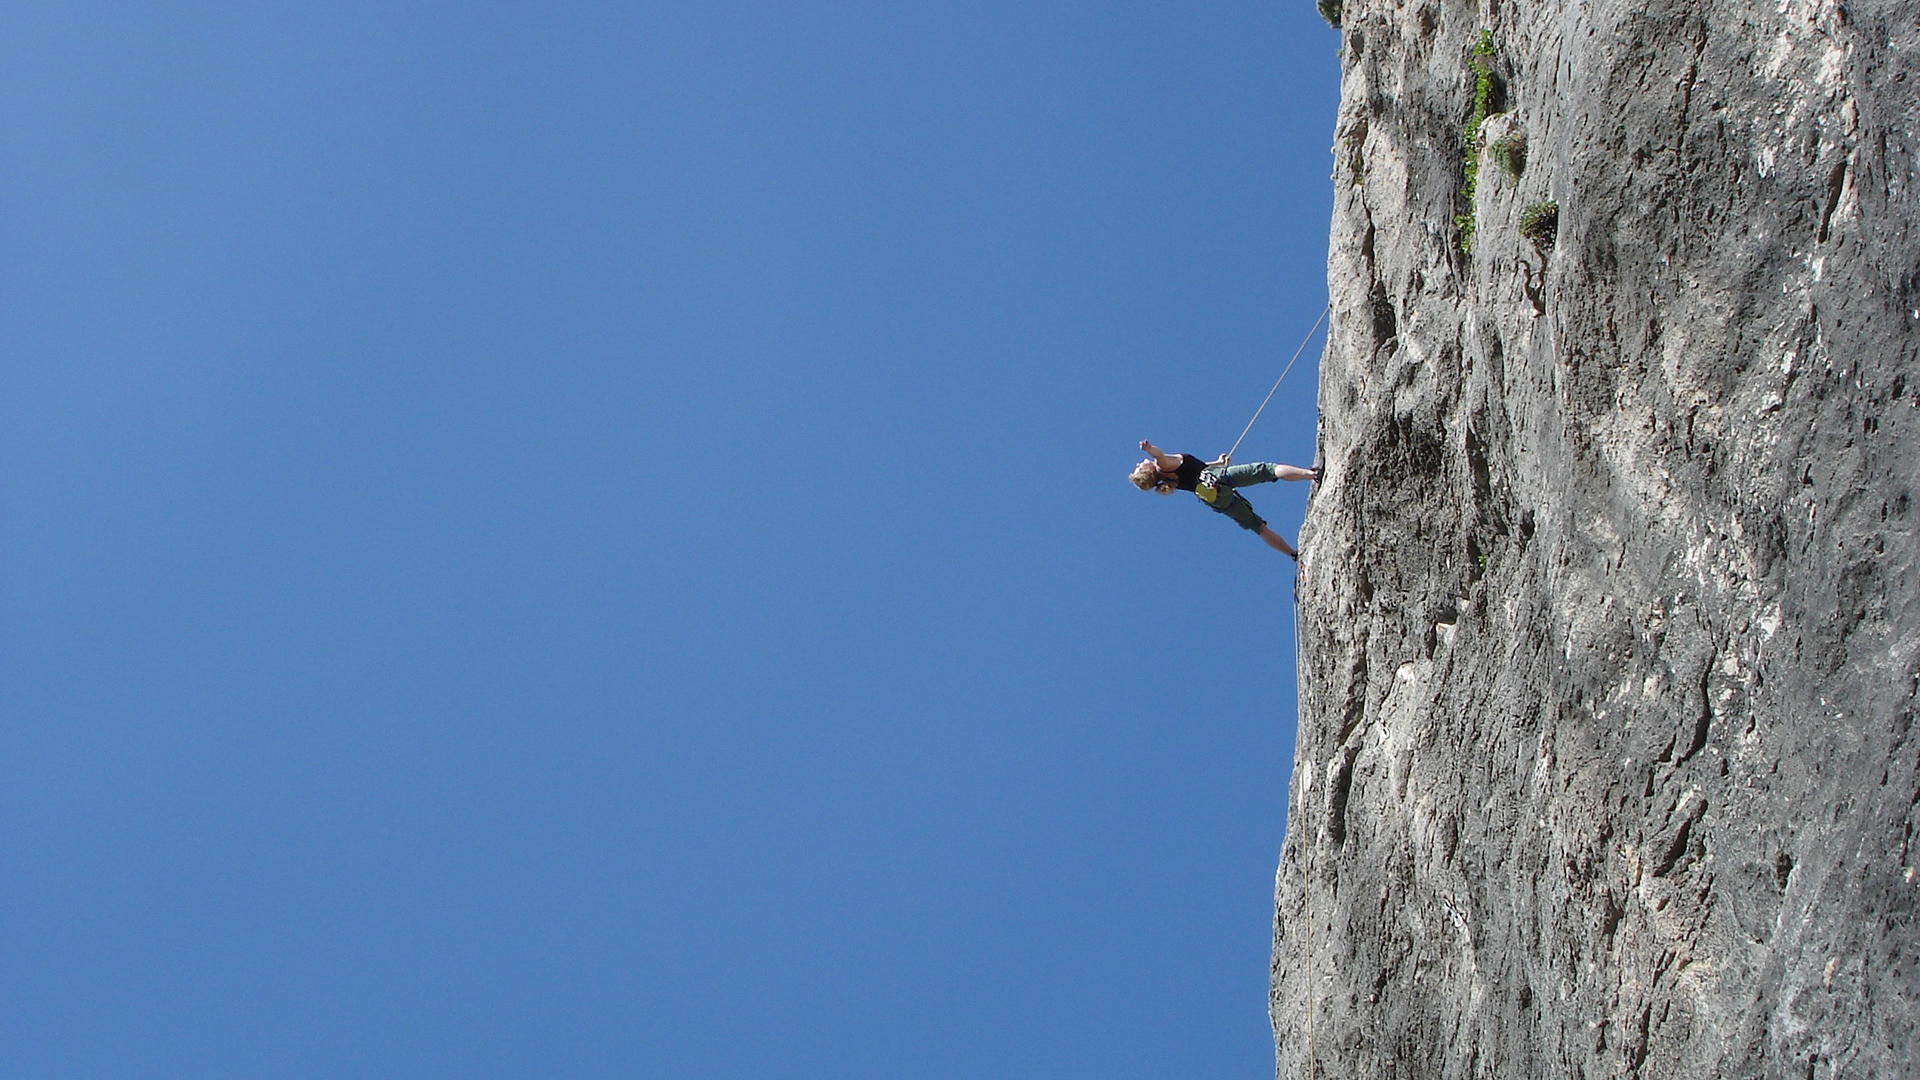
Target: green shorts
1235 505
1230 502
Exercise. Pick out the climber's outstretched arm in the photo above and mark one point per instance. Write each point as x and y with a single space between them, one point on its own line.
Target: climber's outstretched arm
1169 462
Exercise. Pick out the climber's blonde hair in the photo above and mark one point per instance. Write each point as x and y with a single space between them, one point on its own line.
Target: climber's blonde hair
1147 477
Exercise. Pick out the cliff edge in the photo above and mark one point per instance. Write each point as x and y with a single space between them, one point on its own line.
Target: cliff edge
1610 641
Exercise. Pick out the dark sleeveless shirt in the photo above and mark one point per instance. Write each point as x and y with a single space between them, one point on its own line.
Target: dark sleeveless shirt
1189 472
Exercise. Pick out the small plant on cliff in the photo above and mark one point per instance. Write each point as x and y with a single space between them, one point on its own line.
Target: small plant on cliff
1331 10
1486 92
1540 223
1510 153
1356 154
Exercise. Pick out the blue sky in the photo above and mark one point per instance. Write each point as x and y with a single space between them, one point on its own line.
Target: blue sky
592 540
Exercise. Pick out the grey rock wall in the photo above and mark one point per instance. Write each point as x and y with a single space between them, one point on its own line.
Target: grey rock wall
1610 634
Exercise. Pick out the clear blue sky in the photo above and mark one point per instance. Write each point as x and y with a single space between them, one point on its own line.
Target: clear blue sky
592 540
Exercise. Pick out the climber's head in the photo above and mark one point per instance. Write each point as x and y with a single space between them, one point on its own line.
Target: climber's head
1148 477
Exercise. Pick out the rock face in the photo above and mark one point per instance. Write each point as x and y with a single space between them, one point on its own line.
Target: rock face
1610 635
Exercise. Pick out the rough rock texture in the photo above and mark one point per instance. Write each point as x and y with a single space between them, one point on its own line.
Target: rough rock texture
1609 619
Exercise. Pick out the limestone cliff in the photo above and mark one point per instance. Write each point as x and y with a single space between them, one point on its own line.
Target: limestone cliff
1609 625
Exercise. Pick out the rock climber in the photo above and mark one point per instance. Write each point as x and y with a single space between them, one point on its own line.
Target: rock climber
1214 482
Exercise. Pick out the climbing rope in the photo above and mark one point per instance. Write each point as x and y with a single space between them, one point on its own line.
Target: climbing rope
1278 381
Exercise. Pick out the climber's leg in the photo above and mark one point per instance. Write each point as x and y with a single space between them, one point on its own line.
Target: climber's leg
1253 472
1261 472
1235 505
1278 543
